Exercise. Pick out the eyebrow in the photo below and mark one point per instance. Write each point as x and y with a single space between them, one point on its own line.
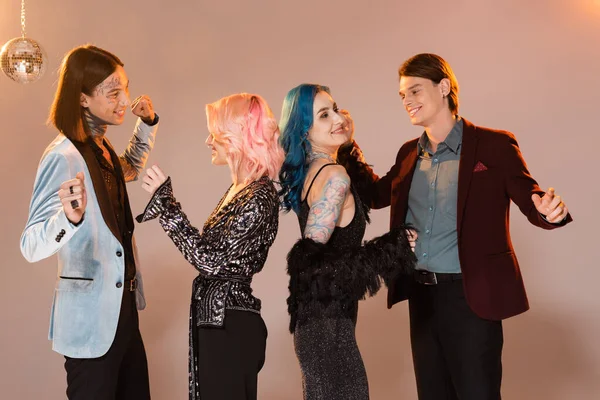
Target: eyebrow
411 88
327 108
117 89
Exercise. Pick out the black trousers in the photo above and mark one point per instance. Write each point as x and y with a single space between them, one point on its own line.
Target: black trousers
230 357
120 374
456 354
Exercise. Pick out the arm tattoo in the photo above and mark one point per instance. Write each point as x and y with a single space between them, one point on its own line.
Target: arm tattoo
325 212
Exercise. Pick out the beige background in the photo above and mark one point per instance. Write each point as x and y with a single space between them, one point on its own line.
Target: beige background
526 66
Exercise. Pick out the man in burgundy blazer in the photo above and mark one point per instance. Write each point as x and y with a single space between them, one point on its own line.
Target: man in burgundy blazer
454 184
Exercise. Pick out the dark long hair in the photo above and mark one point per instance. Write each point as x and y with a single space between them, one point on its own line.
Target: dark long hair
82 69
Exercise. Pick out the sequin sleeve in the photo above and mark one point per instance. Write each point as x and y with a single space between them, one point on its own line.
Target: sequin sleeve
210 251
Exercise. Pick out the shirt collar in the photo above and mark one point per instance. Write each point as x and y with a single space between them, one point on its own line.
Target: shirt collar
452 141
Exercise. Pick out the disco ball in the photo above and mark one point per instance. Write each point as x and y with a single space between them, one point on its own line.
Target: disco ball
23 60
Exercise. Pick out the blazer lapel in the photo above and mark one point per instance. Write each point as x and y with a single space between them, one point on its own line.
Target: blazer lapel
465 170
407 170
119 171
99 188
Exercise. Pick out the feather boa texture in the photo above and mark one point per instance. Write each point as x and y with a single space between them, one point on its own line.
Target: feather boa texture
358 172
321 275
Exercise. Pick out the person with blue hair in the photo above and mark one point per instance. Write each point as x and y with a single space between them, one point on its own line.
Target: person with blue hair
330 268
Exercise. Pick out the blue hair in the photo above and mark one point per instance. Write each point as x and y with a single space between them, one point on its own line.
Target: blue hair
296 120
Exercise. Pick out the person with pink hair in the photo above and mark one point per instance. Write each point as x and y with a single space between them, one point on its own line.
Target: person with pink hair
227 334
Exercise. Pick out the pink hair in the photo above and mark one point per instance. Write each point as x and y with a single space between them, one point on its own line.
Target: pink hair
245 124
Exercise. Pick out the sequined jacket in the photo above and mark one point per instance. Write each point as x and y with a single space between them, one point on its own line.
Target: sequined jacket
232 247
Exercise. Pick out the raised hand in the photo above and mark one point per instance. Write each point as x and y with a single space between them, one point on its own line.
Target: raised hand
348 124
142 107
73 198
351 145
550 206
153 179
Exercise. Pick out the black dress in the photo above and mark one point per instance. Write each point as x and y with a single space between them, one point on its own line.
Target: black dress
326 283
227 333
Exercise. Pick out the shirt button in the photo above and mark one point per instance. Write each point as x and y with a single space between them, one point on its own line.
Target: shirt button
435 160
432 184
424 254
119 254
427 231
430 208
119 285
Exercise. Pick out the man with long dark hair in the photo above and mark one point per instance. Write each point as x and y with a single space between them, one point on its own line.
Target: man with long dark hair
80 210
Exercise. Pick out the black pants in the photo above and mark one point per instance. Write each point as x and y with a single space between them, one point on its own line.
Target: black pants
456 354
230 357
120 374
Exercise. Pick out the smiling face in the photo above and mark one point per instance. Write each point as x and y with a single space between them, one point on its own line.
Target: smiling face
328 131
424 101
110 99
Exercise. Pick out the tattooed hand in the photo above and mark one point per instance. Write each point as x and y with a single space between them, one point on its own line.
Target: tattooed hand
142 107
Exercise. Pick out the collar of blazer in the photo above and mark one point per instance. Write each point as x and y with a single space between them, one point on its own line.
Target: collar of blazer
468 155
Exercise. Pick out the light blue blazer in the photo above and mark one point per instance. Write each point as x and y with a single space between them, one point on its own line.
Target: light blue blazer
91 262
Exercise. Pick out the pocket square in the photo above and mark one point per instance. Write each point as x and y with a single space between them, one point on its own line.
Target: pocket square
479 167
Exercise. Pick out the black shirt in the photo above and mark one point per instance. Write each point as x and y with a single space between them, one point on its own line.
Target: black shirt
117 193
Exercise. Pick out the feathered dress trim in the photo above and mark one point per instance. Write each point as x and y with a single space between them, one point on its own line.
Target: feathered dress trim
321 275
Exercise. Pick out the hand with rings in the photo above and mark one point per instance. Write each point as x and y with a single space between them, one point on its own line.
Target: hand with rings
550 206
73 197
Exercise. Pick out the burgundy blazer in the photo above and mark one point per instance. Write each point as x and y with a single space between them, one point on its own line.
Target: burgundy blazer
492 172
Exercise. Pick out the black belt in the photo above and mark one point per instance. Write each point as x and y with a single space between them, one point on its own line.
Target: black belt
239 279
433 278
